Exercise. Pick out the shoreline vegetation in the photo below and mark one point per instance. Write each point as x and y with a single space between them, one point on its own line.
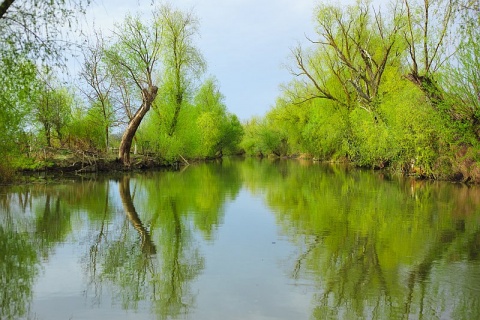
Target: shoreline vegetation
58 164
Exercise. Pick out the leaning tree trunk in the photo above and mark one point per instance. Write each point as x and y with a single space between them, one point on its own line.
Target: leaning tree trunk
148 246
148 95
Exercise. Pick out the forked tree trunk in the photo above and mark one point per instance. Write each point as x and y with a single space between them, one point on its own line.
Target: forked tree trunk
148 95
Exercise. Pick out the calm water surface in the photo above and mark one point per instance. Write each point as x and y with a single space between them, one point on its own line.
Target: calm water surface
241 240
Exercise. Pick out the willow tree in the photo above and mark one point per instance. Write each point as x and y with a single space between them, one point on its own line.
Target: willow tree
183 61
353 49
135 55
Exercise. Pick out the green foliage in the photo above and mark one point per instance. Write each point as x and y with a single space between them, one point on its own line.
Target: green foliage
250 143
84 132
272 140
219 130
374 144
204 128
324 132
52 109
18 78
154 134
210 132
232 134
357 94
287 121
263 138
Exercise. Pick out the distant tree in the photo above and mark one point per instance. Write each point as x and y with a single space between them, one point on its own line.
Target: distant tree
232 134
100 84
52 108
219 131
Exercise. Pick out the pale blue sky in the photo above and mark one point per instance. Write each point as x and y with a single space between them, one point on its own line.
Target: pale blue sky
245 42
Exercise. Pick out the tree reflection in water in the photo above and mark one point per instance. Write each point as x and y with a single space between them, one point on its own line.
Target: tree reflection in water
377 248
366 246
18 270
135 270
141 245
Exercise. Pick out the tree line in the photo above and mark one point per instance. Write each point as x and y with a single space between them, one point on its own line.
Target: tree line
393 86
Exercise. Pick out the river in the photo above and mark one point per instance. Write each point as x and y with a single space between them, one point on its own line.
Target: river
241 239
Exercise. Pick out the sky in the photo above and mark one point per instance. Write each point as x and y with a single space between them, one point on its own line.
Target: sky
246 43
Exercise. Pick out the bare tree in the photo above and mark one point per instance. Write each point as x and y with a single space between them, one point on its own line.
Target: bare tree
428 36
100 84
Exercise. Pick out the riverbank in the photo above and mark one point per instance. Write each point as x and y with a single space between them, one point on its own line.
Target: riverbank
53 164
58 163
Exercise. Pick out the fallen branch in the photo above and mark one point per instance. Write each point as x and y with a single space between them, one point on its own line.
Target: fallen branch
184 159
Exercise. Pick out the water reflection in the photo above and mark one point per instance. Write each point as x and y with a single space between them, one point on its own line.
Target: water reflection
18 269
148 247
366 246
374 248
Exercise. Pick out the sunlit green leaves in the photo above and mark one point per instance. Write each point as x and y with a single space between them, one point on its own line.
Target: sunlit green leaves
18 80
349 98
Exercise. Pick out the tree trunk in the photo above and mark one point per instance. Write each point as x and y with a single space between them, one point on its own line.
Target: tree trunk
107 139
178 106
428 87
148 95
48 135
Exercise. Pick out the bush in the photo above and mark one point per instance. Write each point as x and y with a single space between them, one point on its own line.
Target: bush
324 133
374 144
7 173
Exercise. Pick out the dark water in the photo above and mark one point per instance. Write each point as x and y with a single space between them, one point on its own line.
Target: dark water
241 240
